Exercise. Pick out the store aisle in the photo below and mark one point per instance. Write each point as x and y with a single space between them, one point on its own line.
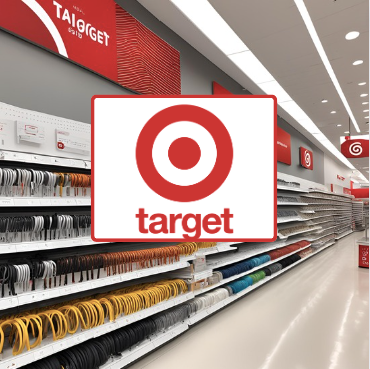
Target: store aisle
314 316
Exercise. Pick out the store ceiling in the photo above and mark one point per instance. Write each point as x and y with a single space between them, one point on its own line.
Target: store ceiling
275 32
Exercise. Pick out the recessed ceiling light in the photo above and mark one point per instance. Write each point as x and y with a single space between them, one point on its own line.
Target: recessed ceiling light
365 103
333 112
352 35
362 83
324 101
363 95
367 117
357 62
339 125
346 131
366 110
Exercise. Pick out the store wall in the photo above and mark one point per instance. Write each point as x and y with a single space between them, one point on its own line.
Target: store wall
35 79
334 168
295 169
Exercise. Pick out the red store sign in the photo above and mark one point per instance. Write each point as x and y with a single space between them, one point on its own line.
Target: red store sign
284 154
355 148
306 158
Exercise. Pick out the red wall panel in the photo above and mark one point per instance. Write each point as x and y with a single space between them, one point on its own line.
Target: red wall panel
85 32
145 62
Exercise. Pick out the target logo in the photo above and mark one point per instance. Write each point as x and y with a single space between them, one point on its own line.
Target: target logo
306 158
184 153
355 146
184 168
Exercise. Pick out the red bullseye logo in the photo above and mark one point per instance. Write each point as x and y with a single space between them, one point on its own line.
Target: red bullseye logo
184 154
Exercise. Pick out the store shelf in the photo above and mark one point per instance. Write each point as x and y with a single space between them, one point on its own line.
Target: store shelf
8 248
51 293
43 159
245 254
205 313
296 219
312 190
293 234
227 280
291 203
221 247
294 189
145 347
343 235
49 347
32 201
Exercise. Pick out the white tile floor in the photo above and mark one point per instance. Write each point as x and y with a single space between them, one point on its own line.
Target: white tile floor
316 316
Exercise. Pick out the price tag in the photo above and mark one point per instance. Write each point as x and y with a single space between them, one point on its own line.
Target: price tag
33 202
6 202
41 353
26 247
42 246
7 248
46 202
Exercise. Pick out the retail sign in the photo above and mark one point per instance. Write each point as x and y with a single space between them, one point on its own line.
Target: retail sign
284 154
306 158
355 146
363 256
347 191
100 36
340 177
217 89
185 168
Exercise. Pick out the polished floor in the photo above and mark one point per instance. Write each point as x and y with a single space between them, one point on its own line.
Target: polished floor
316 316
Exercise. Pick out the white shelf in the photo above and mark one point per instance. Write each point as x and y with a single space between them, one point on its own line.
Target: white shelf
49 347
291 203
221 247
331 193
343 235
246 254
204 313
227 280
293 234
43 159
296 219
145 347
294 189
51 293
33 201
8 248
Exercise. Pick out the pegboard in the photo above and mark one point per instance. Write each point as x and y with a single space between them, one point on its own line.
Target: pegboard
10 116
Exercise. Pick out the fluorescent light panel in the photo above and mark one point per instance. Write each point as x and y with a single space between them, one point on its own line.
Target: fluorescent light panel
316 40
274 88
252 67
207 20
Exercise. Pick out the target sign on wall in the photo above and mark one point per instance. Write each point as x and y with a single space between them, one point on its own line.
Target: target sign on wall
183 168
306 158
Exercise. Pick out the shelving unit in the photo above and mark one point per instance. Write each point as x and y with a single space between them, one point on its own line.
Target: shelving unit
358 223
319 234
339 205
49 347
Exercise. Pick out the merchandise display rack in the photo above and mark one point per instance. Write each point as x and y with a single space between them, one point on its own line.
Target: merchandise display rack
358 221
339 207
222 255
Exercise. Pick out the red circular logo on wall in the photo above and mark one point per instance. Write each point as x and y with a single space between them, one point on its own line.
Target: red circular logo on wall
148 170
